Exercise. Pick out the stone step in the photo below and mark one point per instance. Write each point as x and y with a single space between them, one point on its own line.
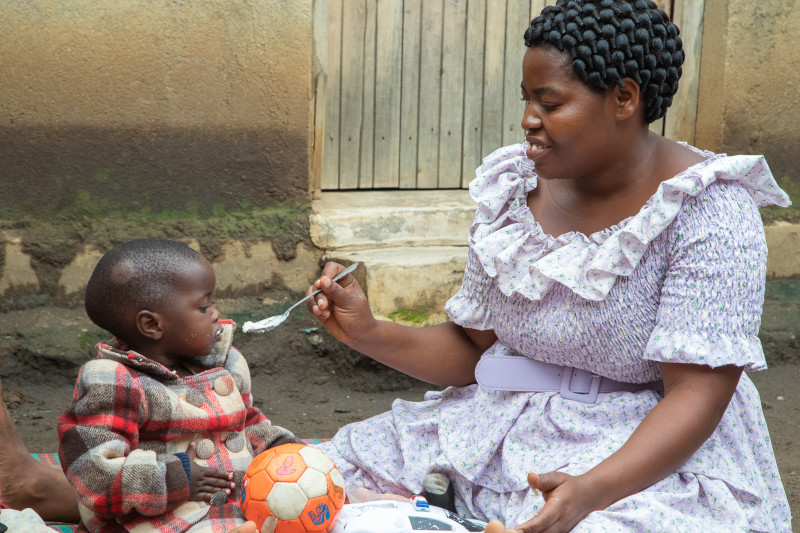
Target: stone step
407 278
368 219
411 244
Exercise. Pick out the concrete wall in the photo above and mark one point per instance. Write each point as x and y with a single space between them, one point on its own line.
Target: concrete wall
189 120
154 106
242 267
193 120
750 83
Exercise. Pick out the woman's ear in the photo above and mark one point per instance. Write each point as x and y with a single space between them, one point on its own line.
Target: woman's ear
149 324
626 98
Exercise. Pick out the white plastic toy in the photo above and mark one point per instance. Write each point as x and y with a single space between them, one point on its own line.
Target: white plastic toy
385 516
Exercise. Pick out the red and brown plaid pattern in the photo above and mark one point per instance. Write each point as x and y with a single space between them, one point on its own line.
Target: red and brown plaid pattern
130 416
52 460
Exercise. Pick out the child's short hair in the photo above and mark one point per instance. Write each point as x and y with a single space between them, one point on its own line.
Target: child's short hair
135 275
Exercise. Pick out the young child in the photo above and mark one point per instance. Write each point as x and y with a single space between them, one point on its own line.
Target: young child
162 425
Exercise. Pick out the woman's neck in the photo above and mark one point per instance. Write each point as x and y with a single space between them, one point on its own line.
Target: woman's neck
618 191
624 172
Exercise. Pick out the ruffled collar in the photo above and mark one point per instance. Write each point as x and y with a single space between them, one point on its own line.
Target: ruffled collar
514 249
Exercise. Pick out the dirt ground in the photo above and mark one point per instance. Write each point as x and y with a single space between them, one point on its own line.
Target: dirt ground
306 381
303 379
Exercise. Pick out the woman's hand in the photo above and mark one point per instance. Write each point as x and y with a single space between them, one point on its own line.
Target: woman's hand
205 481
695 399
567 498
341 307
442 354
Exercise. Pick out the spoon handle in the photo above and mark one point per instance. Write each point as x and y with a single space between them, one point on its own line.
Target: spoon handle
338 276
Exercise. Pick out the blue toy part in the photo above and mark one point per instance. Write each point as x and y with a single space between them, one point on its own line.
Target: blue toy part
420 503
401 517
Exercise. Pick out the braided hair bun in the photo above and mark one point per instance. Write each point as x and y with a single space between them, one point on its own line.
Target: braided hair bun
609 40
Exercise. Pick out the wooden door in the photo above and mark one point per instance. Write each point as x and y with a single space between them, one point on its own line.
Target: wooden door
411 94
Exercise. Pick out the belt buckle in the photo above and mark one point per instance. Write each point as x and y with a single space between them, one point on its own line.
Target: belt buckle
584 397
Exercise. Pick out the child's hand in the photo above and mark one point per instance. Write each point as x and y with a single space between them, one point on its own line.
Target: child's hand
284 440
341 306
566 504
205 481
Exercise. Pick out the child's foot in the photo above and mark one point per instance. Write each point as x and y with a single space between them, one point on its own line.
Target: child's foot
438 490
25 482
247 527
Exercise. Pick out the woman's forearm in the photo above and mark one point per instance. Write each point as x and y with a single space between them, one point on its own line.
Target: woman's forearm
667 437
442 354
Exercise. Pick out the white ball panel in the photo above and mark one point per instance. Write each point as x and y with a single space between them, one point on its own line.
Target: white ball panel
337 478
269 525
313 483
286 501
316 459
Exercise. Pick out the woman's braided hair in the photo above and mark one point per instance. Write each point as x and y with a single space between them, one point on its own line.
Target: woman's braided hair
609 40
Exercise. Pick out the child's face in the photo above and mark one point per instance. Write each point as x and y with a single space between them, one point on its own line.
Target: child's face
190 320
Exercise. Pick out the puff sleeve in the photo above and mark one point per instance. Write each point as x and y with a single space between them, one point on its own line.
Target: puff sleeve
713 292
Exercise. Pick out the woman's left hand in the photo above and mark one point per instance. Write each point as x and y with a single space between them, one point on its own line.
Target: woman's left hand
567 502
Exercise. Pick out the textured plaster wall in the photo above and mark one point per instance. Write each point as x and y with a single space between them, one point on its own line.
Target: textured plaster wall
191 106
750 83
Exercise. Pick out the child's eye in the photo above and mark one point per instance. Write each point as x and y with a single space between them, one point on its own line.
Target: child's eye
205 308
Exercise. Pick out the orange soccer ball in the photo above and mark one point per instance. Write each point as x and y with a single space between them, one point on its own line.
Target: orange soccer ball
294 488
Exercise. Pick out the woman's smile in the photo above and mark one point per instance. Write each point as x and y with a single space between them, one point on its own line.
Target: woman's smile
535 149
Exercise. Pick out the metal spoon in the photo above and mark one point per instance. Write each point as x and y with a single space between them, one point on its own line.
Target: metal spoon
275 321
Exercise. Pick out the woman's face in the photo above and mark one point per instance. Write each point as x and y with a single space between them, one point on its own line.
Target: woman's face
568 126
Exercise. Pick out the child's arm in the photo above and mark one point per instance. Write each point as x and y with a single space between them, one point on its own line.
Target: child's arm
98 440
262 434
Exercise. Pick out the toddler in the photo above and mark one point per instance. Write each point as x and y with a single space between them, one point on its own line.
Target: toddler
162 425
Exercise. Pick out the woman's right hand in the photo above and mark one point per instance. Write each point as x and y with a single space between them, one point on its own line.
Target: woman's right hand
342 306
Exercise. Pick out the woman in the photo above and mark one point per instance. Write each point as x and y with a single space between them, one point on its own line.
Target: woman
610 305
636 262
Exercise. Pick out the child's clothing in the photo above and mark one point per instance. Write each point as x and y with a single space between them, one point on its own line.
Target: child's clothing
681 281
131 415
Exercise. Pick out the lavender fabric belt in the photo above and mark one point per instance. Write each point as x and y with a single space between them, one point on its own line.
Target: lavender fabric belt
518 373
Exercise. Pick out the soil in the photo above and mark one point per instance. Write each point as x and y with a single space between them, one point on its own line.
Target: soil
305 380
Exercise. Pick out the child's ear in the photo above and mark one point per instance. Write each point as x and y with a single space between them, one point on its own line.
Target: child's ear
149 324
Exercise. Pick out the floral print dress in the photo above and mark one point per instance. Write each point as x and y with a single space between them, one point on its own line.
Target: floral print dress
681 281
